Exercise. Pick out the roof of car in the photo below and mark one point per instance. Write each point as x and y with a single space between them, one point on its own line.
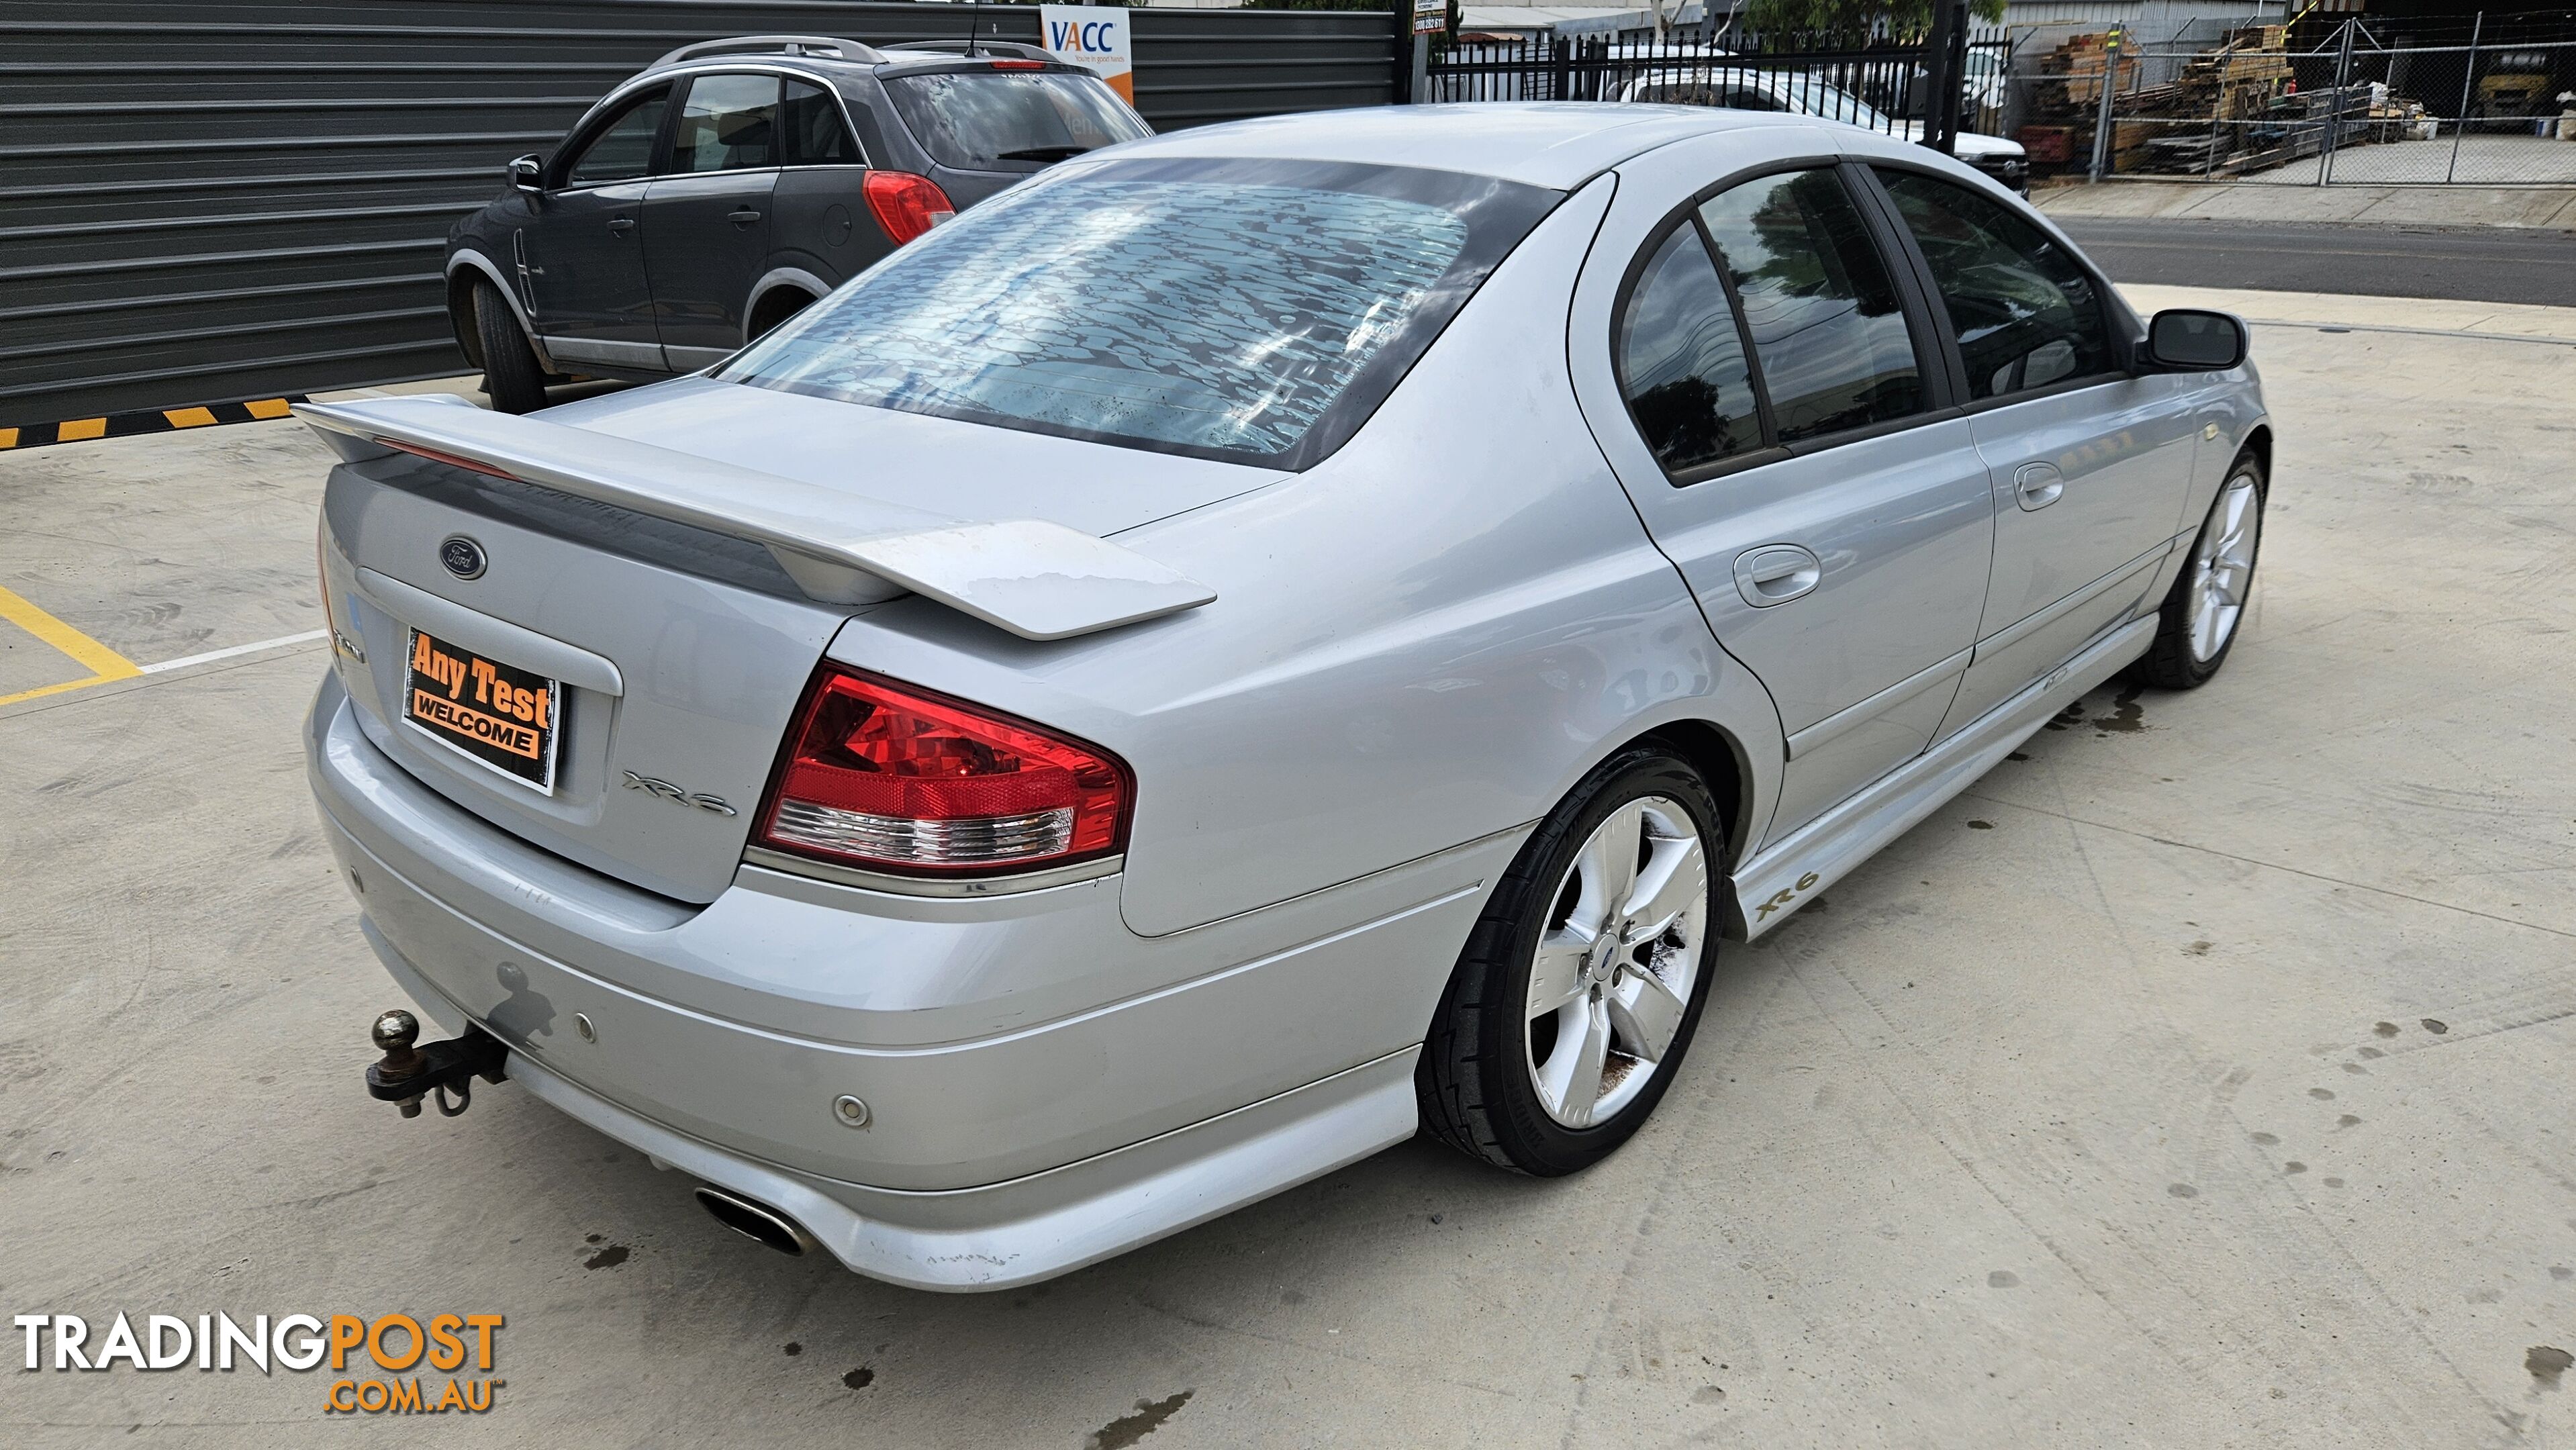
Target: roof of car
1557 144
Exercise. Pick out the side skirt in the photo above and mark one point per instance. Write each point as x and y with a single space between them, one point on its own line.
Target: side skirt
1784 875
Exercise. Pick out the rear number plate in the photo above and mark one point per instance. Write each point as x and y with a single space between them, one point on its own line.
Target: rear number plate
497 715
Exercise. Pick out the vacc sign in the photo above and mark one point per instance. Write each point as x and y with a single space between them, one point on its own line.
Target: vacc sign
1092 36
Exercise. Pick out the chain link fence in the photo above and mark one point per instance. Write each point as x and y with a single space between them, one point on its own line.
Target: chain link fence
2352 103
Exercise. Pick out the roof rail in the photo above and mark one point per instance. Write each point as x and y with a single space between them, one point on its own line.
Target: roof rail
978 46
822 45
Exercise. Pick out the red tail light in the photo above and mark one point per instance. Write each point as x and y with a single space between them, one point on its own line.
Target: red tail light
1019 65
906 205
880 776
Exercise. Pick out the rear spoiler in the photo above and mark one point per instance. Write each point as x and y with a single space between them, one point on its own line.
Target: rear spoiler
1038 580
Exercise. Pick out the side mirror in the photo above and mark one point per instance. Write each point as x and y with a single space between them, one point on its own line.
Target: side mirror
2188 340
528 173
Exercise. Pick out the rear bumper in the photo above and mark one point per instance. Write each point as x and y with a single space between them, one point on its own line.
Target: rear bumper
1045 1088
1035 1227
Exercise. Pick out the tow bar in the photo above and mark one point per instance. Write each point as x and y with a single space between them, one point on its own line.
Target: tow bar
407 1074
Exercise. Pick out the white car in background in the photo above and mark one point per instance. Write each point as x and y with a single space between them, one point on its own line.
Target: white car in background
1727 82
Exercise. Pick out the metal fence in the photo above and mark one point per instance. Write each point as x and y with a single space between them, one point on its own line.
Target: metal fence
1883 84
2347 103
213 201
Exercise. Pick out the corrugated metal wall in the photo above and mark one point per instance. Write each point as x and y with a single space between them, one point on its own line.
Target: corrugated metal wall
212 201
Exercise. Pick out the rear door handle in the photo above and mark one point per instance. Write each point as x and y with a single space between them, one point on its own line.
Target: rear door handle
1776 574
2037 485
742 217
619 226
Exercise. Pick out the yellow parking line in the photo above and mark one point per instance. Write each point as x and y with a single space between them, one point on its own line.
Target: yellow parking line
268 408
189 417
104 664
80 428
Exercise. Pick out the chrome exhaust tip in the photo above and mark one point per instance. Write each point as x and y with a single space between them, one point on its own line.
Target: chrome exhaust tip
754 1220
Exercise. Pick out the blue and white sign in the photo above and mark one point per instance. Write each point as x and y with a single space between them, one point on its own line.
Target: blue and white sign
1092 36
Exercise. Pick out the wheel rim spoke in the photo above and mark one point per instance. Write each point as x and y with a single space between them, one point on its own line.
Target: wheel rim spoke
1571 1080
1673 880
1644 1014
1608 866
1556 978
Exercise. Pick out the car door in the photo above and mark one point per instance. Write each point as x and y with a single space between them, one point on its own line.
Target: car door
1781 422
2090 464
585 246
706 221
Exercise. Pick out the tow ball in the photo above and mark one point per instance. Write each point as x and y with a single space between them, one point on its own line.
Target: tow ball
406 1074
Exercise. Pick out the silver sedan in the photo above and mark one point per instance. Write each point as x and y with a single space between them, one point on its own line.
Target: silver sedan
1258 643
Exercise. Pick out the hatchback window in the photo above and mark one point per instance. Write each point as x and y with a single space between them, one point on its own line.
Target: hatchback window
1681 360
812 125
728 124
1253 311
622 149
2027 313
1827 327
974 119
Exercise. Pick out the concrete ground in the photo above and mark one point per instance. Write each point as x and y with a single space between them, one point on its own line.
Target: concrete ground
2201 1078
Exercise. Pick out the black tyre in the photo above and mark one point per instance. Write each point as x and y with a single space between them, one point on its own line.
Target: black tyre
2200 619
1583 981
511 377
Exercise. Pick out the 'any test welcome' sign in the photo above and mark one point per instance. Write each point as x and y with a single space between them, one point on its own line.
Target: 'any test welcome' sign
1093 36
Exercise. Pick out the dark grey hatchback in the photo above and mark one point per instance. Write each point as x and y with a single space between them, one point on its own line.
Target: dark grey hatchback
733 182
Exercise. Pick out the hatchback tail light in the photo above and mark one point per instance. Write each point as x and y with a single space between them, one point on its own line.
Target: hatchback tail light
906 205
881 776
1019 65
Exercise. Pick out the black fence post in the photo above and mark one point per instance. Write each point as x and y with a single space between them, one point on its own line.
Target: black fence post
1946 56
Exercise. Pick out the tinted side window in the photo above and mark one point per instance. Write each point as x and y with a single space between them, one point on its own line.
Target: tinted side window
1828 331
1681 360
729 123
622 149
2027 314
812 126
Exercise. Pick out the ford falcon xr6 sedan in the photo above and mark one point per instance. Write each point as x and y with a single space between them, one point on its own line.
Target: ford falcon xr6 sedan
1250 645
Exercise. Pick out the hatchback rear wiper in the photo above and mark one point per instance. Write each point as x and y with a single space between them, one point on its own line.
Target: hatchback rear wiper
1041 153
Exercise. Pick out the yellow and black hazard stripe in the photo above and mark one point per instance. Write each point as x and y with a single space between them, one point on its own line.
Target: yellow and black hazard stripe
156 420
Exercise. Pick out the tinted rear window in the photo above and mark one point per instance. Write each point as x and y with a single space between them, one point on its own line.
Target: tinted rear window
1252 311
984 120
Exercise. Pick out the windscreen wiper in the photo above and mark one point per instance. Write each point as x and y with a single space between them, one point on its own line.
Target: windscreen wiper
1041 153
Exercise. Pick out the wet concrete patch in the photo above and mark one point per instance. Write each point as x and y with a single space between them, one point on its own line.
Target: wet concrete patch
607 1258
2547 1362
1126 1430
2127 716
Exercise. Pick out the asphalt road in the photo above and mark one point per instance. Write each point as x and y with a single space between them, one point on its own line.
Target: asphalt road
2470 264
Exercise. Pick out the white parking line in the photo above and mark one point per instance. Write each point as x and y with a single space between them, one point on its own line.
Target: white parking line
181 663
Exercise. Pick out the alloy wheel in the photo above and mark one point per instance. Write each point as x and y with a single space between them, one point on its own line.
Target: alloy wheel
2223 568
1616 964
